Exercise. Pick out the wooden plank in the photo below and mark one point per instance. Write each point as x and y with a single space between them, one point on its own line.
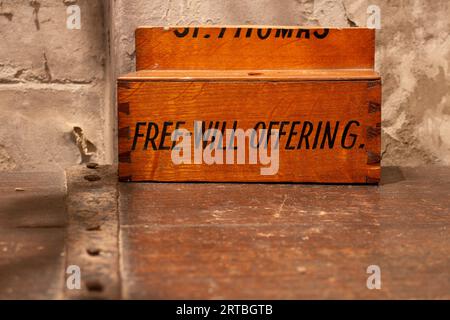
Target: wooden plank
253 75
254 48
267 241
347 111
92 235
32 234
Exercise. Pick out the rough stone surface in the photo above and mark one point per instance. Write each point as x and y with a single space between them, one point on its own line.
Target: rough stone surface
413 56
414 59
52 79
38 124
38 47
39 54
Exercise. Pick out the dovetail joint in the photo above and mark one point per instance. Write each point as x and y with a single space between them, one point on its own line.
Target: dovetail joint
125 157
373 158
124 132
373 132
124 107
374 107
123 85
372 84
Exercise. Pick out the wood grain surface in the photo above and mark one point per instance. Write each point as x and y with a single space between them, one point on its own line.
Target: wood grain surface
252 75
303 105
92 233
228 241
275 241
32 235
252 47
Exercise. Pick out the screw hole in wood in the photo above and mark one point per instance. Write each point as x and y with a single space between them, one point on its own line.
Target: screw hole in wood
94 252
94 286
92 165
255 73
93 228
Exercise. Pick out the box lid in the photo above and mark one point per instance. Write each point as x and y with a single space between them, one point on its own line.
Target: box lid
252 75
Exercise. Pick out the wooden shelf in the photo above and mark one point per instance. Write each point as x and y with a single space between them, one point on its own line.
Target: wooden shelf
227 241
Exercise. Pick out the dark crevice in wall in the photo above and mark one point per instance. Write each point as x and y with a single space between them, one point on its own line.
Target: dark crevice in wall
36 5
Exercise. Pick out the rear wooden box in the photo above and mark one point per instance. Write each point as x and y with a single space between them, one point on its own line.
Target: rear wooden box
317 87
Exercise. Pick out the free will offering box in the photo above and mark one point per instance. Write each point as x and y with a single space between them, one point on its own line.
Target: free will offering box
251 104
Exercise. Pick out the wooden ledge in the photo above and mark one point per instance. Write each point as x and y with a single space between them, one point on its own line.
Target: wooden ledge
252 75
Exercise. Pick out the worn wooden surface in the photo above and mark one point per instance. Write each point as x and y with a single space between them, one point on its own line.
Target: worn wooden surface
305 155
278 241
32 235
253 75
92 232
254 47
233 241
251 78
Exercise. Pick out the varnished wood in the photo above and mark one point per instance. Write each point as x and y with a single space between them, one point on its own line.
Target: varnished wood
92 233
228 241
249 102
266 241
252 75
242 47
32 235
249 76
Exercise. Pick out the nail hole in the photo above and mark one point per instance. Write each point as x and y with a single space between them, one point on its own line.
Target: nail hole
92 165
92 177
94 286
255 73
93 252
93 228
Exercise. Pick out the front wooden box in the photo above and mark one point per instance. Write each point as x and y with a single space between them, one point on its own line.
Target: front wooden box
328 119
329 131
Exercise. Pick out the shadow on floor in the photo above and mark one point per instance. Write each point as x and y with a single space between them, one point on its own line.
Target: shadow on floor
390 175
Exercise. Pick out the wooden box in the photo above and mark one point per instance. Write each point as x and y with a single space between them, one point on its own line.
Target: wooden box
313 91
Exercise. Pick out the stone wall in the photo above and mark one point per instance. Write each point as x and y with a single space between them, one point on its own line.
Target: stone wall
52 85
57 85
